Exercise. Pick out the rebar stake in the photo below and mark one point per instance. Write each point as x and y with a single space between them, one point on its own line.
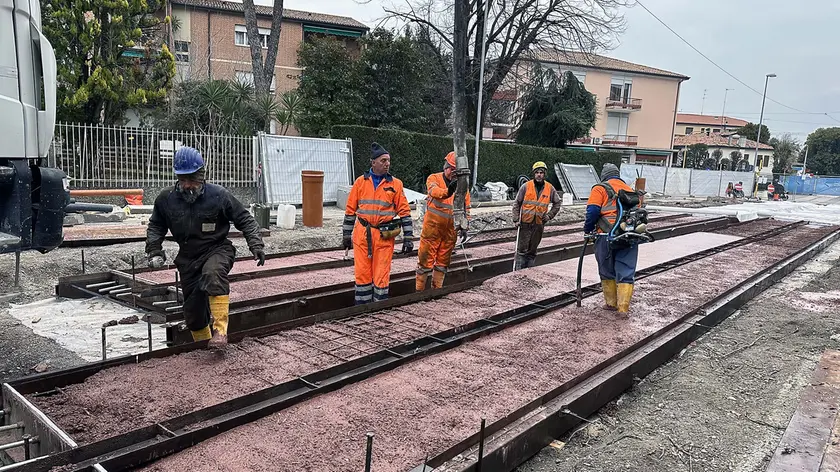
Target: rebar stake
103 344
480 446
369 453
177 286
26 452
149 327
17 268
83 261
134 284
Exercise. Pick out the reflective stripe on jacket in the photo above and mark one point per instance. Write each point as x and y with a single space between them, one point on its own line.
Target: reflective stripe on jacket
377 206
609 206
535 207
439 206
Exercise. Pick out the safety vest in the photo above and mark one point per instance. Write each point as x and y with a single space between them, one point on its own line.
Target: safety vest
380 206
609 208
534 207
441 208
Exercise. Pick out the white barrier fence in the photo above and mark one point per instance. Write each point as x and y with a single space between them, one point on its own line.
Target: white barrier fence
679 182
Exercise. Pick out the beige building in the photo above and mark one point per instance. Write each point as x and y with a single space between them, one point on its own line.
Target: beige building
690 123
762 162
211 42
636 104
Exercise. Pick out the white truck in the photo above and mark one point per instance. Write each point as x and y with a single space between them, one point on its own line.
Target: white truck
33 198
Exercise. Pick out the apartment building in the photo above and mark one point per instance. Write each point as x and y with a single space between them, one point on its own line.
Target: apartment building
691 123
636 104
211 42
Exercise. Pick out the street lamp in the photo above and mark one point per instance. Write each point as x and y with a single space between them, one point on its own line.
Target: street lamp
758 135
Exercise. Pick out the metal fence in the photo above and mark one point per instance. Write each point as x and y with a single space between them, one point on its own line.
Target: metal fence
676 181
117 156
812 185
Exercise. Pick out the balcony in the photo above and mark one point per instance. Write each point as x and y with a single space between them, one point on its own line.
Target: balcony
620 104
620 140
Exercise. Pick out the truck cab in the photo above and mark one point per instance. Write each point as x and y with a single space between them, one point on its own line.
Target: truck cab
32 197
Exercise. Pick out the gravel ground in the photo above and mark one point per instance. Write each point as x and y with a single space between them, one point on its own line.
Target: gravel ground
724 403
40 272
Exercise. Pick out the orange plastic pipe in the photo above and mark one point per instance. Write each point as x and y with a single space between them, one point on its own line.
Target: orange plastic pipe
105 192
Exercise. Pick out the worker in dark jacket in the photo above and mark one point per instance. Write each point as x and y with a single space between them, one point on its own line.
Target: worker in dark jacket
199 214
616 266
531 213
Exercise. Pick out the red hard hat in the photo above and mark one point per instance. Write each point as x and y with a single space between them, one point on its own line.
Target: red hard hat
450 159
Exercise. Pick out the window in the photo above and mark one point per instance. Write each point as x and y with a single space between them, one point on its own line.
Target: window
182 51
620 88
244 77
746 157
689 130
716 131
580 75
617 124
766 161
241 36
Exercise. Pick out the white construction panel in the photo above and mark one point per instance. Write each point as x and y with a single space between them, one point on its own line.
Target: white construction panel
581 179
284 157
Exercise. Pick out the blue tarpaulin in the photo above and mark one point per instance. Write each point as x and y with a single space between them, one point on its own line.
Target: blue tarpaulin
813 185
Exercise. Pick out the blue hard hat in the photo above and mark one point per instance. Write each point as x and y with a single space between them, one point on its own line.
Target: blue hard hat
187 161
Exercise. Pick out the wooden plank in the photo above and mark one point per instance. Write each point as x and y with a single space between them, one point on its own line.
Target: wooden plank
804 442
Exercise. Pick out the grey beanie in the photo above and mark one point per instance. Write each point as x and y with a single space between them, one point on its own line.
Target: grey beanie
610 171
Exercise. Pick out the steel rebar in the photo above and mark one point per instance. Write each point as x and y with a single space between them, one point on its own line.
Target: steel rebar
11 427
103 344
26 452
480 446
369 452
149 328
17 268
83 261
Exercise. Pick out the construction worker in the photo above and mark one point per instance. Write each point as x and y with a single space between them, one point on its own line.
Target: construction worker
616 266
376 212
437 239
199 214
531 213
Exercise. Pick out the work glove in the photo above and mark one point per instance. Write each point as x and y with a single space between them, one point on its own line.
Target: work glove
157 259
408 246
259 256
347 242
450 189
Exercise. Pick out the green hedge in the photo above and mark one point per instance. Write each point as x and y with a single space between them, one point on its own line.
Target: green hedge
415 155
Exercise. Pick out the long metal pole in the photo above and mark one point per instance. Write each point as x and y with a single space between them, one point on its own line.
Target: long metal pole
723 113
480 90
758 135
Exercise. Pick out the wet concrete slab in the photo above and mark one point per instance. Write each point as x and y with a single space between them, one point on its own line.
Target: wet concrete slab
421 408
126 397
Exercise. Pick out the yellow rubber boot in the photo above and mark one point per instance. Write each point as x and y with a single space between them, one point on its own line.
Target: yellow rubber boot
202 334
420 281
610 295
219 306
437 279
625 293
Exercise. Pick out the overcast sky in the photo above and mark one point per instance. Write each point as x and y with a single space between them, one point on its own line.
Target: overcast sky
797 40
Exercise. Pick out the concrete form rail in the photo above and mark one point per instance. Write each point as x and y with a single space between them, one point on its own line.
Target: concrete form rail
149 443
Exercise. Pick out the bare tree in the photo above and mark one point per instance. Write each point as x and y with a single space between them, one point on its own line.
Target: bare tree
263 71
516 30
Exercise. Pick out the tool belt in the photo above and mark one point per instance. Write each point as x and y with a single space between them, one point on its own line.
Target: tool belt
388 230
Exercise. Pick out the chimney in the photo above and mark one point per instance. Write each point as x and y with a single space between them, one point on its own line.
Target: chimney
742 141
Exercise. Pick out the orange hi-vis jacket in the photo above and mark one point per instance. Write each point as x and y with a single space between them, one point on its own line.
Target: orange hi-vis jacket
437 240
535 207
609 206
367 208
439 206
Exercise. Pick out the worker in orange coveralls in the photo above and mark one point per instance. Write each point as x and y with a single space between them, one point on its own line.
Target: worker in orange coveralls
376 212
437 240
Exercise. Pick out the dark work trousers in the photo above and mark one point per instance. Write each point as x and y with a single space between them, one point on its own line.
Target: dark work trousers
616 264
204 277
530 236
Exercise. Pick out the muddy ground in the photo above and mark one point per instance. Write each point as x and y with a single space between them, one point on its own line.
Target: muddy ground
21 351
725 402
